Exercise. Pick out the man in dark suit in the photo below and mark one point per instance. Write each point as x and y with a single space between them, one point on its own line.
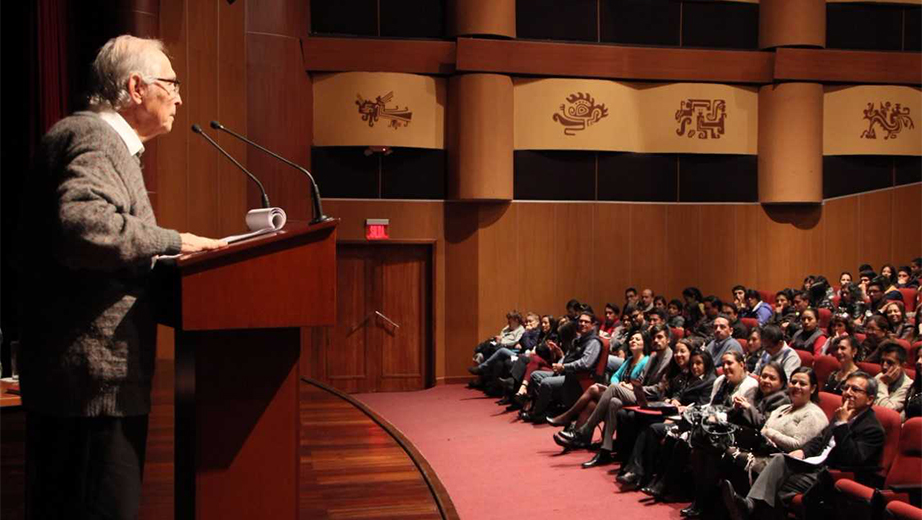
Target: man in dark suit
854 439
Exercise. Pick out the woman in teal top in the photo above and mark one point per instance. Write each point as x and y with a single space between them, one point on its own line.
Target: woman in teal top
632 368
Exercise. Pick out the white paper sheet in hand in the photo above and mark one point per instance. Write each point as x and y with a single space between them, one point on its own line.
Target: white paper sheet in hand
260 222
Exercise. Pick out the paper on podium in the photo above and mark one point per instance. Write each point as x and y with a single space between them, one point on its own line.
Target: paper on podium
260 222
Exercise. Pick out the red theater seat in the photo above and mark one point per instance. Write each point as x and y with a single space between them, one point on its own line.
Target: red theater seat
903 511
825 316
890 420
806 359
823 366
909 298
904 478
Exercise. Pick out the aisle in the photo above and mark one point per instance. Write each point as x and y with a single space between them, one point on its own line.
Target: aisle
496 467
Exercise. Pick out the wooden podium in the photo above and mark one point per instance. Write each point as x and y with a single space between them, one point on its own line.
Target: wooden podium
237 314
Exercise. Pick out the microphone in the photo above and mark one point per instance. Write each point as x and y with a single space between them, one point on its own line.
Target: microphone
318 209
197 129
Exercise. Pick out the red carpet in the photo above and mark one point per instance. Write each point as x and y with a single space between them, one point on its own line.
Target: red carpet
496 467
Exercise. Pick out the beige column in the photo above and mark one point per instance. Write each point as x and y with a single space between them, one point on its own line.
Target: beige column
785 23
791 143
481 18
480 137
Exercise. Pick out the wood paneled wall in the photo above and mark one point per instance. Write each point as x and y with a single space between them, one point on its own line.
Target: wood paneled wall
534 256
240 64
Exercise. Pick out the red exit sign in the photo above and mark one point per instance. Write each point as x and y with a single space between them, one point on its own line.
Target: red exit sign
376 228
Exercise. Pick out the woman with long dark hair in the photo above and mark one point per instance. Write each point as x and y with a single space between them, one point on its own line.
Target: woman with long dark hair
844 348
899 326
649 450
771 395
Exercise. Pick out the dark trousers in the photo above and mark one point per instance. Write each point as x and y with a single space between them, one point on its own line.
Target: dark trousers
84 467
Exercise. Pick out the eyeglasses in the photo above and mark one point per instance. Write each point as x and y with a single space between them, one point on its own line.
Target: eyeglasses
585 322
174 84
853 388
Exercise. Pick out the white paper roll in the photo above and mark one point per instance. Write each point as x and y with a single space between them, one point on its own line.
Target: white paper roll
272 218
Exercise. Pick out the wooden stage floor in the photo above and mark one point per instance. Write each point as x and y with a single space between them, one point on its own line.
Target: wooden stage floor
350 467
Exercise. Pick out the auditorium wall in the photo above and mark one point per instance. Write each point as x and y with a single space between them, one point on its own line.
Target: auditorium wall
534 256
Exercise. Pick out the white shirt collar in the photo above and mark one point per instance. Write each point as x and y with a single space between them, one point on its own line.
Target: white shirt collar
124 130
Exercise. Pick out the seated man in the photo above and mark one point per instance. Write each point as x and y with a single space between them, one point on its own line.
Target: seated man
562 383
722 342
757 308
777 351
892 382
705 327
854 439
616 396
738 328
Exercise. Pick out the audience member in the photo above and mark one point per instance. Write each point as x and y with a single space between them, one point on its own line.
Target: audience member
776 351
854 439
622 394
876 330
723 341
561 384
893 383
913 404
771 395
508 337
754 349
739 330
757 308
844 349
811 336
674 311
904 279
646 300
900 328
838 326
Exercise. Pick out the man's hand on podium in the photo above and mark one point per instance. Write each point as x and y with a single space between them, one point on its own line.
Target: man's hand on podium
194 243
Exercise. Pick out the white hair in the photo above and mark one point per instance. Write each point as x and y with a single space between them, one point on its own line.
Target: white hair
116 61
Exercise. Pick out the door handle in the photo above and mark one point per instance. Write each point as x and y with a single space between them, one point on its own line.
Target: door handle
385 318
360 323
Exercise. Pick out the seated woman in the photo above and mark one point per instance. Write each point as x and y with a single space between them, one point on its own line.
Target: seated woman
851 304
688 382
690 387
844 279
546 354
754 349
810 337
899 325
772 394
787 429
632 368
876 330
622 394
508 337
734 383
844 348
838 326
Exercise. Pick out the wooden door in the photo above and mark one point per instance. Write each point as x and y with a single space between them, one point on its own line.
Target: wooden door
381 342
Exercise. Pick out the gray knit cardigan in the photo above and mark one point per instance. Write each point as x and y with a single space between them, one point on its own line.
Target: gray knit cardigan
86 242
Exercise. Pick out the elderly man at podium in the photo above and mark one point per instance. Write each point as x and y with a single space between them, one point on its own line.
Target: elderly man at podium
86 250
